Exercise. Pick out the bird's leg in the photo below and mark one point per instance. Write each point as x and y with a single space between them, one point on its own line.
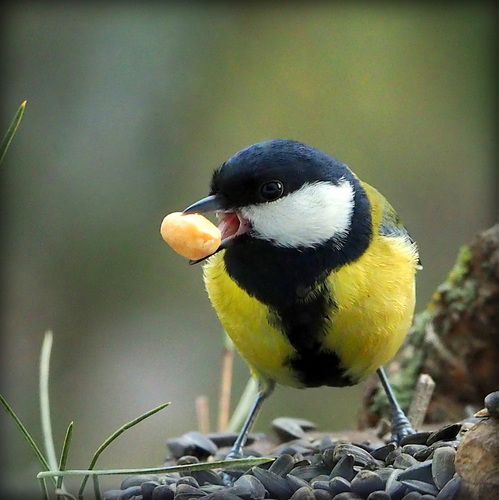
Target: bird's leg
265 389
401 426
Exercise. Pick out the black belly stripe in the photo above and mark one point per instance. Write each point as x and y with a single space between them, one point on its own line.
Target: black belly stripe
291 283
315 369
305 324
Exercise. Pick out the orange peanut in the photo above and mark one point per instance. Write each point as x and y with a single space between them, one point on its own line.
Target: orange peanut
191 235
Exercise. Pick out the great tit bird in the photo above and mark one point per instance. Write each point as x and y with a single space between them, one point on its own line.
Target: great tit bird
314 280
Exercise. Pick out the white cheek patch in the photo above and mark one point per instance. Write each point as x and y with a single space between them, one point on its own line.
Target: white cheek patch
307 217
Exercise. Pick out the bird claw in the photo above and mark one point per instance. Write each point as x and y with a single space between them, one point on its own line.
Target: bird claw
227 479
234 454
401 428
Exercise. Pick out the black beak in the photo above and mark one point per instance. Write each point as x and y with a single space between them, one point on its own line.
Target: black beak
209 204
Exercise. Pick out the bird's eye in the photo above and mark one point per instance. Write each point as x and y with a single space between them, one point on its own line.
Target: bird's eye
271 190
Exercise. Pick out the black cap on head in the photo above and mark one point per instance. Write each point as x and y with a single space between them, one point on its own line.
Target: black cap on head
238 181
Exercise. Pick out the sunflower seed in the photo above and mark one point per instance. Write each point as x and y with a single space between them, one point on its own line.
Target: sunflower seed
392 456
188 480
365 482
188 459
379 495
320 485
211 488
396 489
186 491
427 453
276 485
308 472
382 453
192 443
347 496
282 465
224 494
403 461
419 472
412 449
443 466
451 490
146 489
412 495
112 495
303 493
162 492
339 485
362 457
344 468
420 486
384 473
128 493
320 494
416 438
328 456
171 478
251 486
137 480
445 433
325 442
207 477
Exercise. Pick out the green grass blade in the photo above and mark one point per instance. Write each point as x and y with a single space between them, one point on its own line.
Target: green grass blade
122 429
43 486
64 452
244 405
45 401
65 446
114 435
25 433
11 131
64 494
240 463
97 493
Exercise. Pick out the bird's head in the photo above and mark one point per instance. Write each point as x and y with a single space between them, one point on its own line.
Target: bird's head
286 193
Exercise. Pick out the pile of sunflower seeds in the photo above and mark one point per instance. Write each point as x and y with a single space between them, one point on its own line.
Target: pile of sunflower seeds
421 467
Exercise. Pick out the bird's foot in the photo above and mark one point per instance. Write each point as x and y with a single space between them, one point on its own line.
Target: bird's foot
401 427
234 453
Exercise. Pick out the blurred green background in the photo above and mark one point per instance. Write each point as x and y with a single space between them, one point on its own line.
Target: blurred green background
131 107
